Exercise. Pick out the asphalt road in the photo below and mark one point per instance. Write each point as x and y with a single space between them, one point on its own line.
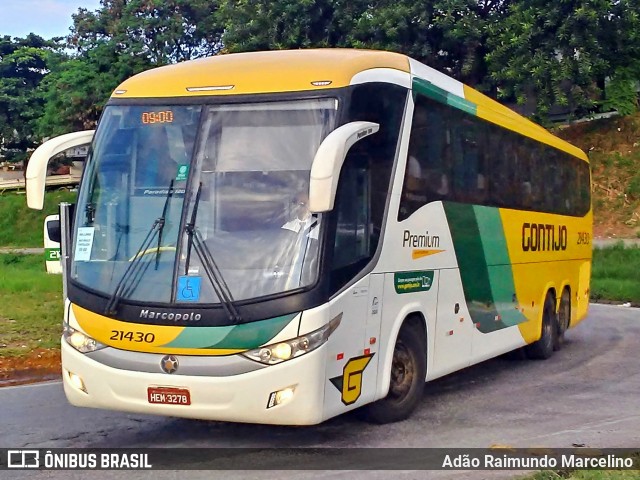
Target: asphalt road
585 395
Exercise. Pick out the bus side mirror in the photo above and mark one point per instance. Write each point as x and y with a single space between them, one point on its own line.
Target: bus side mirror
36 175
327 163
53 228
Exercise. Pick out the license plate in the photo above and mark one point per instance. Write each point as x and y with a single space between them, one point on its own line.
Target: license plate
169 395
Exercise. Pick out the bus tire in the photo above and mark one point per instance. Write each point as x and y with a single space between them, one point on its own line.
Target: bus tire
543 348
564 318
408 373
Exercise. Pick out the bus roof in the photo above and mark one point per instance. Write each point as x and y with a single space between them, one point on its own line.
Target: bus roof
317 69
259 72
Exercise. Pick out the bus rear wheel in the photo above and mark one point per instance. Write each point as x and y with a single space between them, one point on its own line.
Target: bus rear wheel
564 318
543 348
408 373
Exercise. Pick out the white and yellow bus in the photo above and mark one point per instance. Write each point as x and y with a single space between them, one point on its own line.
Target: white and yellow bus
281 237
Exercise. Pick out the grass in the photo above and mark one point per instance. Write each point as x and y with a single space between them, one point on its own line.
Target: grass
30 307
586 475
21 226
615 274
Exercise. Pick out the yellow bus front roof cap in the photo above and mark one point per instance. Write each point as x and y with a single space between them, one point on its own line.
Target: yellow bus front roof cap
258 72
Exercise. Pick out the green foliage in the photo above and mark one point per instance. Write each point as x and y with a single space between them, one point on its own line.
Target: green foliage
620 91
23 227
614 274
32 319
550 53
158 31
24 62
584 475
539 53
77 88
633 189
449 35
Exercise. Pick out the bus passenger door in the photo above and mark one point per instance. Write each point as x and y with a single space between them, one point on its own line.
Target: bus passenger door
454 328
352 361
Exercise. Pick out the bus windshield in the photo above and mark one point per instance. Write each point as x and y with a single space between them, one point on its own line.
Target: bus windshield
236 174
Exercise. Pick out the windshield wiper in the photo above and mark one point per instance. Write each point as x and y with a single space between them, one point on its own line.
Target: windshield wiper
136 268
162 221
214 274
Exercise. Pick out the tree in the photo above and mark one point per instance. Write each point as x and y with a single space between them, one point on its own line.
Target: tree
464 27
77 88
161 31
449 35
24 62
622 51
550 53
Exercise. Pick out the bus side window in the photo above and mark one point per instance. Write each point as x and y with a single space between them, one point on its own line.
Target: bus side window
427 174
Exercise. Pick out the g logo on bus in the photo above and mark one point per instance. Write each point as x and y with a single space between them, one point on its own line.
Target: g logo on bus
350 383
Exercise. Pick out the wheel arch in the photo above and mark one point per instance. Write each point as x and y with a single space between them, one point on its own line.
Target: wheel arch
410 315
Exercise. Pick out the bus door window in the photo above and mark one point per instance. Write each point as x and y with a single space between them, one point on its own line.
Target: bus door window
365 180
352 231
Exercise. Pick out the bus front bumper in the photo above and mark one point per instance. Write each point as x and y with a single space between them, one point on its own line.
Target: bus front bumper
240 398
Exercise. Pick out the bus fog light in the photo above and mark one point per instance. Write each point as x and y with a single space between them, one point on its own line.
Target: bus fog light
281 396
77 382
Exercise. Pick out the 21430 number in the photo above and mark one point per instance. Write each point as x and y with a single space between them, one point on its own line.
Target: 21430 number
132 336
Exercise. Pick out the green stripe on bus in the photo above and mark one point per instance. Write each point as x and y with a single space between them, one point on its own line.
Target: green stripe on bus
496 254
462 104
485 269
440 95
246 336
430 90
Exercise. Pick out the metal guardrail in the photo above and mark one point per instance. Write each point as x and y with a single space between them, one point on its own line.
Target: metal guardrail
52 181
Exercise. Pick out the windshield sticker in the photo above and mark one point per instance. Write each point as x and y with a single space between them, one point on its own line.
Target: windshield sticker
84 242
183 171
189 288
409 282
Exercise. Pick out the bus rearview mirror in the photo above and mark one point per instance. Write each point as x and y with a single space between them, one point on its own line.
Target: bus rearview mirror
327 163
36 175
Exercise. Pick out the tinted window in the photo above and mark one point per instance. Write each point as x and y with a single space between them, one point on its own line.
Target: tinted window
458 157
365 180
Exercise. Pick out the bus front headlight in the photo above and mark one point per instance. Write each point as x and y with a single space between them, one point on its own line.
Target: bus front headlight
288 349
80 341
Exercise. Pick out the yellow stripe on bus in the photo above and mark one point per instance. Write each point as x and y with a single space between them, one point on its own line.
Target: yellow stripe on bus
494 112
138 337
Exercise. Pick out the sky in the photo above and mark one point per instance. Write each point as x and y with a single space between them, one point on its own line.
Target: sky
47 18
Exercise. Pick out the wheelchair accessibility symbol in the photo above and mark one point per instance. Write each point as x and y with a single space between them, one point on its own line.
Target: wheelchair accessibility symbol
189 288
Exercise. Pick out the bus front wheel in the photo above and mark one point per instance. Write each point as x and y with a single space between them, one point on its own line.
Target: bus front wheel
408 373
543 348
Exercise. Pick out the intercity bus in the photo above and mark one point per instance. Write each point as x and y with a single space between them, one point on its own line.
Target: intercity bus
281 237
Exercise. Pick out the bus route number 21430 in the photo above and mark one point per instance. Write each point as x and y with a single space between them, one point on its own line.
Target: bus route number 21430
584 238
137 337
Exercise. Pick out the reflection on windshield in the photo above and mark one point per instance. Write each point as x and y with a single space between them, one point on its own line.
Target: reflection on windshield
253 161
138 152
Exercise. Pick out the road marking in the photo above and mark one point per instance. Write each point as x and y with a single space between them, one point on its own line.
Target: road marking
32 385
